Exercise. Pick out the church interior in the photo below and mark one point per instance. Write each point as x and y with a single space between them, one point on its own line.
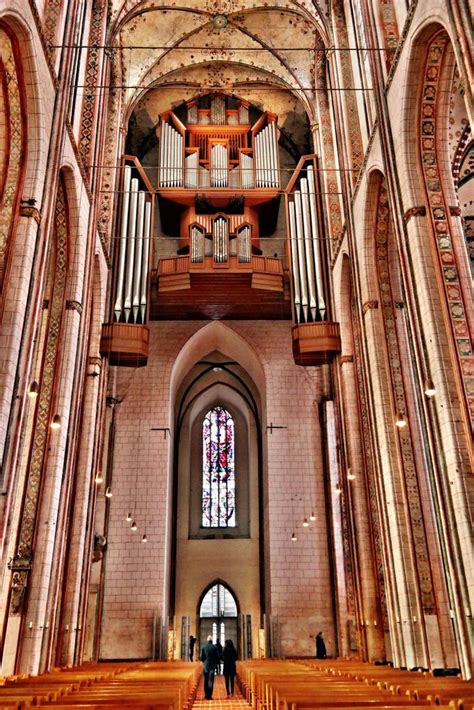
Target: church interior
236 364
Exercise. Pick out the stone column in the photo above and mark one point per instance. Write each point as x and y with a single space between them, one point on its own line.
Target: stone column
77 572
51 501
403 595
369 611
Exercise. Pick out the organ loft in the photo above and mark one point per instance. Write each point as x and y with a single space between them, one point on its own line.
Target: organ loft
219 187
236 356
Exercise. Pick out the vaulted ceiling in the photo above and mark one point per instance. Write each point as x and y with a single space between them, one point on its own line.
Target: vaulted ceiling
265 47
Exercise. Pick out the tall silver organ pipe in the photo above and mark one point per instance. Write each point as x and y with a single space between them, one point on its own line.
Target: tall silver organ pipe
138 256
266 156
243 238
243 114
305 252
171 156
133 257
127 176
246 171
131 241
145 261
191 170
218 110
197 245
316 242
219 166
221 240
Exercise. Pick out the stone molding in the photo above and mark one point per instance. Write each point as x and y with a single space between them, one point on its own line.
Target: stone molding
368 306
417 211
29 211
74 306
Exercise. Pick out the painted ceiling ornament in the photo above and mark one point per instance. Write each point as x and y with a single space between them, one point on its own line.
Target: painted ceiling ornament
219 22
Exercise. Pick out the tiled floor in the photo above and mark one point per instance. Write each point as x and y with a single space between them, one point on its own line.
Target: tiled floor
219 697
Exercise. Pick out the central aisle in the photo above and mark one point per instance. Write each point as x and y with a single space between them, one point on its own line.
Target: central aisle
219 697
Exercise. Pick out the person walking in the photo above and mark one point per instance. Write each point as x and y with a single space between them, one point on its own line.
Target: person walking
210 659
229 655
320 646
192 643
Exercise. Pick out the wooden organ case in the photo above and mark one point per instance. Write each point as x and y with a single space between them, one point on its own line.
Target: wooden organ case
218 190
316 337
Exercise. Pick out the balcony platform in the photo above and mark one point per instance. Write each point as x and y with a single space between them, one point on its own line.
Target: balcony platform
182 290
316 343
125 344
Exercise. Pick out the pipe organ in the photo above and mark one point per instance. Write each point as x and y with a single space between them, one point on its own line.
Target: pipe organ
218 148
315 337
125 339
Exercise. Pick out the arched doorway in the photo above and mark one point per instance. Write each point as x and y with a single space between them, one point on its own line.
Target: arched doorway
218 615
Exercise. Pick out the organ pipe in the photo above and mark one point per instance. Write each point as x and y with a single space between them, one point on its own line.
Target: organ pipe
171 156
220 239
132 230
301 255
244 245
197 244
316 241
145 261
305 250
294 260
138 256
123 241
131 290
308 246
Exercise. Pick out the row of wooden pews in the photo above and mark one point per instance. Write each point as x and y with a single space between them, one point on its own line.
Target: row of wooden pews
107 686
416 685
314 685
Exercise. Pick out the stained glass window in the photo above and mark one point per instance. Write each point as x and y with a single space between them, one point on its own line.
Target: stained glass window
218 470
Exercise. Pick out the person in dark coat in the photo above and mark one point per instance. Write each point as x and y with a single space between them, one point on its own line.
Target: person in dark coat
229 655
192 643
219 650
320 646
210 658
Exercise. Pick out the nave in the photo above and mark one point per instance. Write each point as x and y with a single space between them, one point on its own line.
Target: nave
303 684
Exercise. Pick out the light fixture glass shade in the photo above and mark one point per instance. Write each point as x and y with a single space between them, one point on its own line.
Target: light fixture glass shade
305 522
400 420
144 538
33 389
133 526
428 388
108 492
56 422
350 475
98 478
312 517
129 517
338 490
293 537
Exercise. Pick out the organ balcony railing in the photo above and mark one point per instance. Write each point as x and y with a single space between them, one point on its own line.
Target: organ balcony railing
125 339
219 156
316 338
216 244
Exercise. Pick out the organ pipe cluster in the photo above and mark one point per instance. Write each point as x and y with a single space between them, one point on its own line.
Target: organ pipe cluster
266 157
220 244
305 252
171 156
222 158
131 289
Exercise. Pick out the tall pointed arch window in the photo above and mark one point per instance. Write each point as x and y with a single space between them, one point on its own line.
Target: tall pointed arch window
218 470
